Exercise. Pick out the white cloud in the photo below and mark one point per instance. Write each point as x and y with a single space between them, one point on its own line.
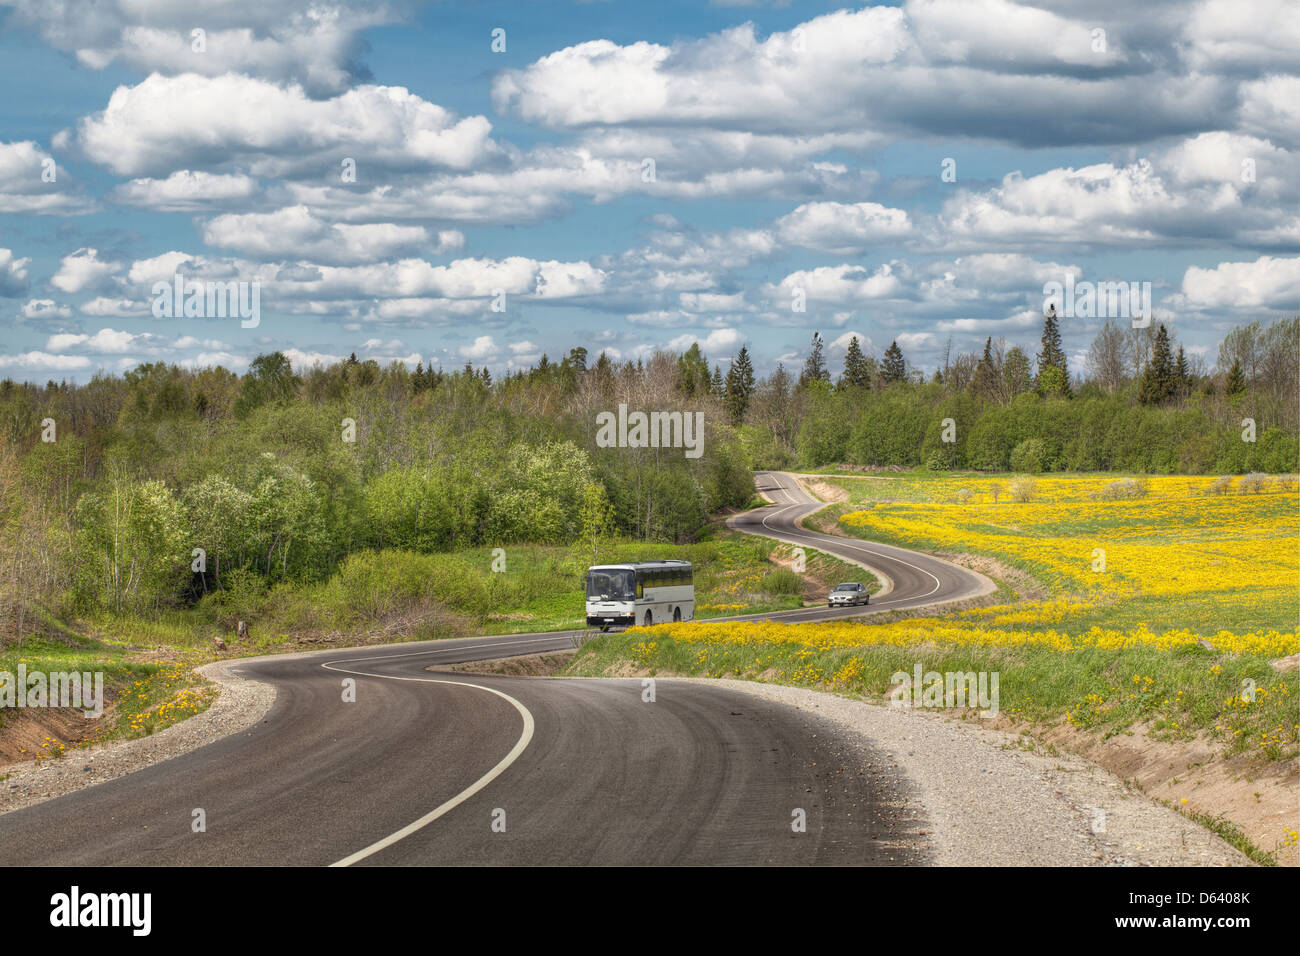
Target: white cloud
107 307
294 233
83 271
837 285
841 228
103 342
482 350
13 274
719 340
45 309
1266 283
166 123
187 191
24 185
316 45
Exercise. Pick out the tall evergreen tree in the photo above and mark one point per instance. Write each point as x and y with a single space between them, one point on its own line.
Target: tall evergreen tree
716 385
894 367
857 373
1236 379
1182 374
814 369
1158 383
1053 371
739 386
985 382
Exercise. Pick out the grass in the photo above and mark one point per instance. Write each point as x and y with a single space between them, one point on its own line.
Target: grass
1108 652
389 596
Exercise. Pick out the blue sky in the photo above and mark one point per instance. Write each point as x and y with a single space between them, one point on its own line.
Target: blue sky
797 154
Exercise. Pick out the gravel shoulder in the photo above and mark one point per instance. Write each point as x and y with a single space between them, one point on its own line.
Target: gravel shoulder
241 704
987 802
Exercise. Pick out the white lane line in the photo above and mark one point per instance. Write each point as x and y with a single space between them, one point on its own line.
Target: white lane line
520 746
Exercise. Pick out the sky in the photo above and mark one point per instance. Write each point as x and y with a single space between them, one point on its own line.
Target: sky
487 182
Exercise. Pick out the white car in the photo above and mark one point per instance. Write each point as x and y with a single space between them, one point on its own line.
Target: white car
850 594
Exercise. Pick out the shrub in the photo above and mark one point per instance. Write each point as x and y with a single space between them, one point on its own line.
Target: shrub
1220 486
783 581
1122 490
1023 488
1029 456
1255 483
964 495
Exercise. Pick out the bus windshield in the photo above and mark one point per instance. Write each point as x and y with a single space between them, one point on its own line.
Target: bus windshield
616 584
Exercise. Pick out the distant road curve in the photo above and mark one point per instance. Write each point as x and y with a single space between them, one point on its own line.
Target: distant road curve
909 579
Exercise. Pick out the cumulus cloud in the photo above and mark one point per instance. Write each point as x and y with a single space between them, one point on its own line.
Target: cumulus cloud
317 46
294 233
187 191
44 309
25 186
83 271
1266 283
13 274
166 123
841 228
984 69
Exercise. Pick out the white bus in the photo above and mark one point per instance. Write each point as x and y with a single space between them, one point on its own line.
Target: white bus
643 592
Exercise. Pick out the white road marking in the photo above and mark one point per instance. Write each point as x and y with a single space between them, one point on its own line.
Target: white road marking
520 746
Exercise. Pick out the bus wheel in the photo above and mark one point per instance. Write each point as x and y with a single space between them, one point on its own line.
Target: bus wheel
649 618
677 615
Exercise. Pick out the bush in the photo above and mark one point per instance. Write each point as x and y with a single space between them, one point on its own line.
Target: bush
964 495
1256 483
1029 456
1122 490
1023 488
1221 485
783 581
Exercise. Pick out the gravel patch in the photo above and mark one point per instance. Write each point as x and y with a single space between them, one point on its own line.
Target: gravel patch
240 704
989 803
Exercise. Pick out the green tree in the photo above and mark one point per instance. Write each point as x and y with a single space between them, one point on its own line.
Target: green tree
1159 383
894 367
814 367
739 386
270 380
857 373
1053 371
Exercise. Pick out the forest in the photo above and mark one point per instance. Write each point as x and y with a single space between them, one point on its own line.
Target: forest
165 486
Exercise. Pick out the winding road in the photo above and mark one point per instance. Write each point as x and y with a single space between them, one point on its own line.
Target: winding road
429 767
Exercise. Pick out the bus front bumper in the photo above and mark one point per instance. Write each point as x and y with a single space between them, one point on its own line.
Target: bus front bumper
610 620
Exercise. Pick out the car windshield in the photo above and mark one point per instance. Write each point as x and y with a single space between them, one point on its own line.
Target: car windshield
616 584
846 587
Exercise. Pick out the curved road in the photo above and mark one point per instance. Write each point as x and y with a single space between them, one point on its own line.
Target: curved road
445 768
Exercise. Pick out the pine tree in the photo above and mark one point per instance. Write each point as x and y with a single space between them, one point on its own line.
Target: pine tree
1158 384
716 385
693 371
857 373
894 367
814 369
985 382
1053 372
1182 375
739 386
1236 379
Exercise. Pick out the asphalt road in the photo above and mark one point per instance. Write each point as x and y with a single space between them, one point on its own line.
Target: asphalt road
441 768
